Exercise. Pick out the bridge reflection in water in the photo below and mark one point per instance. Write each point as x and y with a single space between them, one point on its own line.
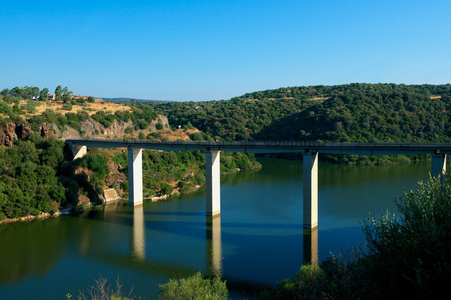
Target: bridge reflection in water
213 251
138 243
214 244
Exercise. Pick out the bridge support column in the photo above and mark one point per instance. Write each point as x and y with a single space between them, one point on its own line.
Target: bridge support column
135 176
78 151
213 184
438 166
310 193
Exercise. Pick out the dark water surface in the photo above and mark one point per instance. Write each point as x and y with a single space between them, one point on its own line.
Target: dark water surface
258 238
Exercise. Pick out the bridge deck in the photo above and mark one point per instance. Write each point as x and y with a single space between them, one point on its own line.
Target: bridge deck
274 147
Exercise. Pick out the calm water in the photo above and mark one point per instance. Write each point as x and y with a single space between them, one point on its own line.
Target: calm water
258 238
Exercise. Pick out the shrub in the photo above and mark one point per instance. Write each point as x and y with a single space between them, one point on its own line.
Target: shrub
100 290
194 287
165 188
67 106
410 257
309 283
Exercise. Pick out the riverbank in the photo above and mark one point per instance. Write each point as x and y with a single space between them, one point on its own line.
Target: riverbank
32 217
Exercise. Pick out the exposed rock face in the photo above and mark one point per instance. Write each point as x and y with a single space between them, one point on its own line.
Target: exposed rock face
22 131
8 134
11 132
90 127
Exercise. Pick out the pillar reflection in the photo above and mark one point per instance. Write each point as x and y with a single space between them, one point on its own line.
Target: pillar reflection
138 235
214 244
311 246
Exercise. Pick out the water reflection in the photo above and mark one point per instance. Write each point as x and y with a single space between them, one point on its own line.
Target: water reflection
214 244
310 243
30 248
138 235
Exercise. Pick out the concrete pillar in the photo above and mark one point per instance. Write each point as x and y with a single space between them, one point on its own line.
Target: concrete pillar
438 166
212 184
78 151
310 243
310 194
135 176
214 244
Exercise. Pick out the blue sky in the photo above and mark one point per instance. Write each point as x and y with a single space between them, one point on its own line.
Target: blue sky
212 50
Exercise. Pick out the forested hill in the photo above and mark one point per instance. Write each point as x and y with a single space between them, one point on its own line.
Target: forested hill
342 113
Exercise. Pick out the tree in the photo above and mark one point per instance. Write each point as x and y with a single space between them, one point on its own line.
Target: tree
58 92
67 95
43 95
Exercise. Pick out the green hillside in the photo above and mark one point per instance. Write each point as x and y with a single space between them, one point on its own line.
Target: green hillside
343 113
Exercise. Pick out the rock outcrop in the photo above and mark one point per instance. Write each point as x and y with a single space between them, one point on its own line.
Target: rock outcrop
90 127
11 132
8 134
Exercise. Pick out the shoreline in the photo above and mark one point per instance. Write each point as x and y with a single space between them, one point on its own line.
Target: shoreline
41 216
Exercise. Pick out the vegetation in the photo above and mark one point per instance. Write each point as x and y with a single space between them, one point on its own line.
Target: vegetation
100 290
194 287
343 113
29 182
141 115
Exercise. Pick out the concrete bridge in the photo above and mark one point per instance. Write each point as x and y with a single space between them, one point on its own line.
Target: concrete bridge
212 150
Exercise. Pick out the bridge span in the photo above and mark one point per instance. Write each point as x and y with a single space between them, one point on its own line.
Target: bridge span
310 151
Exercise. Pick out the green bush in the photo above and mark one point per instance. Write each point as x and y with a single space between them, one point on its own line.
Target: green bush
309 283
67 106
194 287
410 256
165 189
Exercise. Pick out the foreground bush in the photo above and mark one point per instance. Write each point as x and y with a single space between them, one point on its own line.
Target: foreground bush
194 287
309 283
100 290
411 256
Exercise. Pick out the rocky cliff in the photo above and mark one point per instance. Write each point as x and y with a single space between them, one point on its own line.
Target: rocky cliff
12 131
90 127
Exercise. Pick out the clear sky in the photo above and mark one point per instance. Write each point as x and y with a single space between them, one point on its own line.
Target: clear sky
211 50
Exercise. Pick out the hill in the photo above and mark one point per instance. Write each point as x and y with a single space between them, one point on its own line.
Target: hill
343 113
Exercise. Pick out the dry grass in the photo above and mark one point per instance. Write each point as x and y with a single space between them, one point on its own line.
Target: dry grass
90 108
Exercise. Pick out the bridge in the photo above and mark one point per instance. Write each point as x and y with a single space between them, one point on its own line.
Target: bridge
310 151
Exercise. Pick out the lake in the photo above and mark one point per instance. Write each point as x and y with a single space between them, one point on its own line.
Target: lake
258 238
